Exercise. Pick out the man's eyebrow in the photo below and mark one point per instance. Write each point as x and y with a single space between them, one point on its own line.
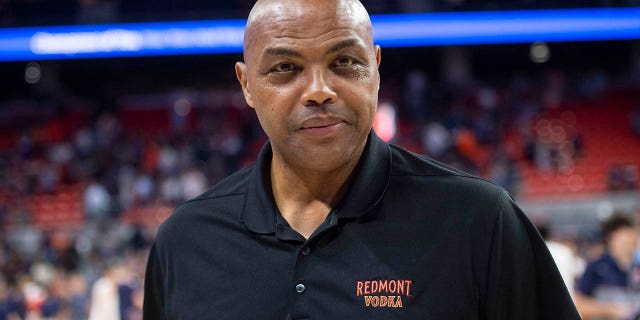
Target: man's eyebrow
279 51
343 44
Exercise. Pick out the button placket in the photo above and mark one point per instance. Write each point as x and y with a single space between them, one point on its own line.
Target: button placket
300 293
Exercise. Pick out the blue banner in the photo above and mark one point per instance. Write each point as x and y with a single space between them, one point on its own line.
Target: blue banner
393 30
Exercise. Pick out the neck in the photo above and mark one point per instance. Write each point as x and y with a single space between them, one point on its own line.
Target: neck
305 196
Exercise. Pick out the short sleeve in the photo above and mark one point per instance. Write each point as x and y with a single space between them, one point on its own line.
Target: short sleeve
153 306
523 281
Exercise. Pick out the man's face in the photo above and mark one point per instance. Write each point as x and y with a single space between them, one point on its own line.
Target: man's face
624 240
311 74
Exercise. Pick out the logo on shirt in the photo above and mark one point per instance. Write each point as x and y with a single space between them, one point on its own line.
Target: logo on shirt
383 293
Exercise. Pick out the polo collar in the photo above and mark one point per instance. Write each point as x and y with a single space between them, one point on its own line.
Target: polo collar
367 188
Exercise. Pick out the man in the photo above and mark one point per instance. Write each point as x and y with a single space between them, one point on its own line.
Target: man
604 291
333 223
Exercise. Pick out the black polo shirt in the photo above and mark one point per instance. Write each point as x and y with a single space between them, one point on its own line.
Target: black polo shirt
411 239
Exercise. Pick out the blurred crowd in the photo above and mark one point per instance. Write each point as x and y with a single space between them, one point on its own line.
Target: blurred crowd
119 156
96 271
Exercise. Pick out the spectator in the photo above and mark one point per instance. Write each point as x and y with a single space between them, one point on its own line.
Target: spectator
193 182
171 189
436 139
105 299
630 177
144 188
504 172
615 178
11 304
26 240
603 291
168 159
97 201
56 306
623 177
78 297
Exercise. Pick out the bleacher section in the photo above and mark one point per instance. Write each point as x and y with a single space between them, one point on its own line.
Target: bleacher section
606 134
608 141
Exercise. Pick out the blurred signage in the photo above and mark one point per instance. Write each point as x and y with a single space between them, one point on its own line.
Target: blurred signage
392 30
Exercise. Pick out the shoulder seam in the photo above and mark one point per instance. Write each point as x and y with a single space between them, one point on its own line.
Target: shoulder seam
444 175
209 198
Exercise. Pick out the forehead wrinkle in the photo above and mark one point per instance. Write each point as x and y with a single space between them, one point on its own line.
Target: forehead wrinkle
287 52
352 42
327 46
280 51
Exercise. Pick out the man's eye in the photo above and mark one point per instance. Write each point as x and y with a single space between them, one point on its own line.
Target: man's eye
344 62
284 67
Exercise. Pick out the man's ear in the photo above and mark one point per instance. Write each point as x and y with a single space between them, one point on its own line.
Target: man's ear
241 74
378 60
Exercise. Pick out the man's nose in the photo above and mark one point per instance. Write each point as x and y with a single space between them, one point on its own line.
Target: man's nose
318 89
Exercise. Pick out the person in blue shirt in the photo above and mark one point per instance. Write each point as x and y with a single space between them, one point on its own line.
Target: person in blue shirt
604 290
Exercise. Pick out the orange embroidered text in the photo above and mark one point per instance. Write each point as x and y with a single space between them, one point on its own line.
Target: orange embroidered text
383 293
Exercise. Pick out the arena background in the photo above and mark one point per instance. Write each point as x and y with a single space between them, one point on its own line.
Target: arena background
95 152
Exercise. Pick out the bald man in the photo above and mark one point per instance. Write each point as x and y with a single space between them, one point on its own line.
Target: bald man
333 223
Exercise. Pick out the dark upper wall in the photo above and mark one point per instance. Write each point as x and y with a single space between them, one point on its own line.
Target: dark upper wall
46 12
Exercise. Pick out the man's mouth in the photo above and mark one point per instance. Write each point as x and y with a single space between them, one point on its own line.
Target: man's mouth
322 126
320 122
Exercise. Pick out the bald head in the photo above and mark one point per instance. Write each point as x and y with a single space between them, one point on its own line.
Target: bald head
311 73
267 15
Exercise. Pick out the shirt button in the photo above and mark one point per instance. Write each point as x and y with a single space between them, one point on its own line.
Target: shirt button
300 288
305 251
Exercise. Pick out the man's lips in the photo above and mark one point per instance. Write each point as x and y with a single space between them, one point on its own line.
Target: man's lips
320 122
